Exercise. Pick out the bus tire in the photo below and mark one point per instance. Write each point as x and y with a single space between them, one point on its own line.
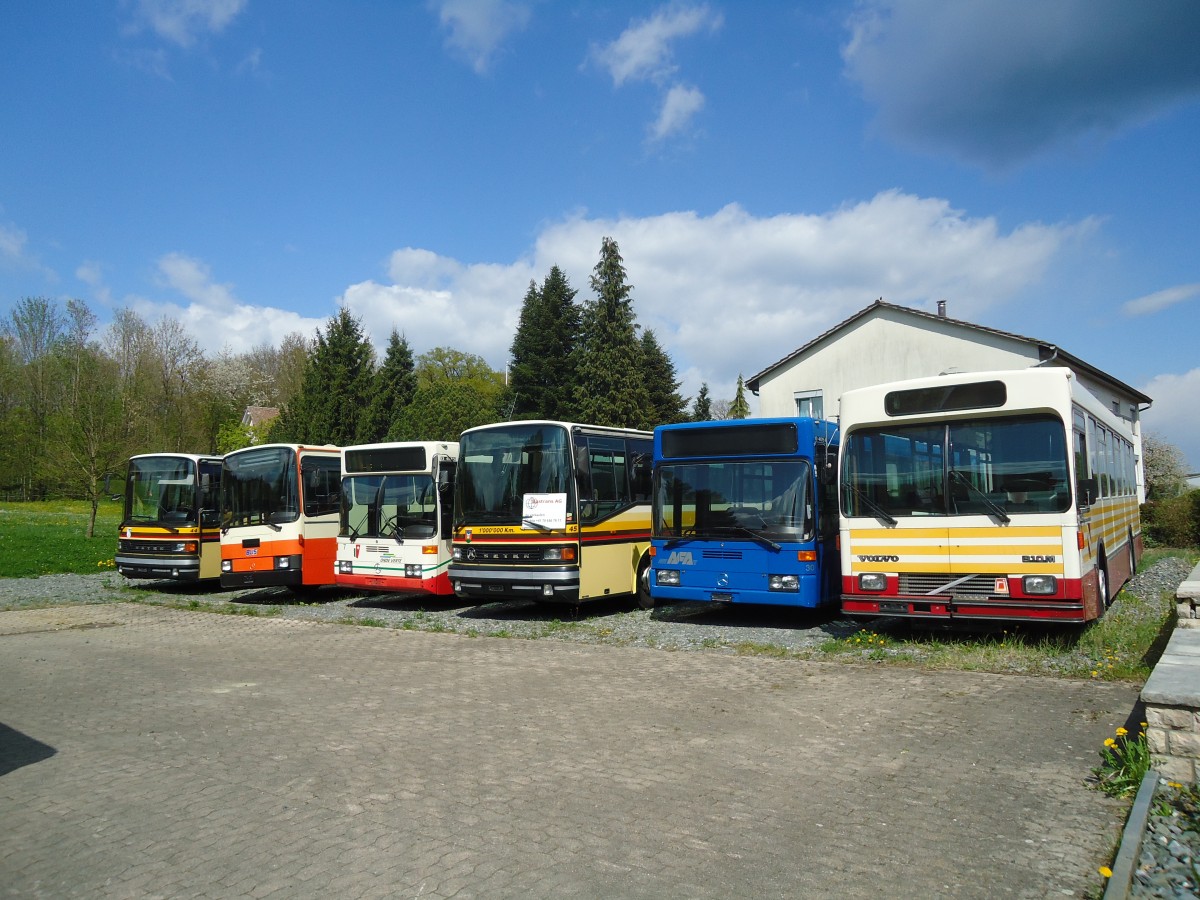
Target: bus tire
1102 583
644 598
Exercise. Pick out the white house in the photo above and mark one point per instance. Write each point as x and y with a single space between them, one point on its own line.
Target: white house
885 342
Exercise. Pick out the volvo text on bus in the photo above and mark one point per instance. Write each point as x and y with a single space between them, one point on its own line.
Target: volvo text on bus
394 532
745 511
279 516
993 495
551 511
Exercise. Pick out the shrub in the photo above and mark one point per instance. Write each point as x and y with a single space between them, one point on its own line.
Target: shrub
1174 522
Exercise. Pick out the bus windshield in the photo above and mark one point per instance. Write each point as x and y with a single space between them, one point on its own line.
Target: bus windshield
498 466
998 466
725 499
390 506
258 487
161 489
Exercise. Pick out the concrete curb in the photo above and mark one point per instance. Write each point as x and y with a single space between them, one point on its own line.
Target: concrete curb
1121 881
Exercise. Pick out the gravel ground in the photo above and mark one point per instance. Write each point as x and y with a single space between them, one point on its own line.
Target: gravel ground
683 626
1169 862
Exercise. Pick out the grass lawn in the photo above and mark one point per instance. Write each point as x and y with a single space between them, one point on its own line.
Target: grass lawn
51 537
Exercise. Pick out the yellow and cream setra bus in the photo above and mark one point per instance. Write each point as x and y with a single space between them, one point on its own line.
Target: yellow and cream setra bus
279 516
395 518
171 525
1006 495
551 511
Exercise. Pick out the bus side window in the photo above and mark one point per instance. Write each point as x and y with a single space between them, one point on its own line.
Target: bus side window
322 488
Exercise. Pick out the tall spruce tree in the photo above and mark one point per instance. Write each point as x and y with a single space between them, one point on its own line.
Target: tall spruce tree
739 409
540 375
702 406
393 386
609 386
662 387
336 387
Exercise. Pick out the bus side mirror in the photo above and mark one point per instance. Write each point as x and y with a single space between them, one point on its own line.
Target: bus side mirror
1085 492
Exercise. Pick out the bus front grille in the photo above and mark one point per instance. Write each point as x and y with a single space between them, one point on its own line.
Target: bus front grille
722 554
947 584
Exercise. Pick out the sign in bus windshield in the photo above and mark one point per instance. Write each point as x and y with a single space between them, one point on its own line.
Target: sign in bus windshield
731 440
974 395
387 459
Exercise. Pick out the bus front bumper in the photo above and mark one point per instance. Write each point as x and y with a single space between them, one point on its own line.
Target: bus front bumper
185 569
963 608
545 585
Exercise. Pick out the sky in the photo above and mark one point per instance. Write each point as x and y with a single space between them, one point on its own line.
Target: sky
766 168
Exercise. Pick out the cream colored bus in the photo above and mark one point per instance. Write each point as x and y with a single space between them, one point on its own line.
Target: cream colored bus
553 512
1008 495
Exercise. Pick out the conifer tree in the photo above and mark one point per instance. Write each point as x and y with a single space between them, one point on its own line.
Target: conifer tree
336 387
702 406
540 376
393 386
662 387
609 386
740 409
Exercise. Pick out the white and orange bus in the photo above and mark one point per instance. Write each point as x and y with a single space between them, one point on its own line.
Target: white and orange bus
553 512
171 526
394 532
1008 495
279 516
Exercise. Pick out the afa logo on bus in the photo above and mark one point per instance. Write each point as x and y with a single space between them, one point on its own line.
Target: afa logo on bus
681 558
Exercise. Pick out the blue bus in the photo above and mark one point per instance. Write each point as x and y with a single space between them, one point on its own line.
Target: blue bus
745 511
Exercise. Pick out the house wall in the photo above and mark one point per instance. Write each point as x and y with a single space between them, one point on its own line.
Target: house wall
886 346
891 345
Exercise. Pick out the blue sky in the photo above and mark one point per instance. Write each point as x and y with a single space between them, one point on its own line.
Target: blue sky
767 169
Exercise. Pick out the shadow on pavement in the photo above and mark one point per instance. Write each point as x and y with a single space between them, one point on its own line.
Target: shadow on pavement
17 750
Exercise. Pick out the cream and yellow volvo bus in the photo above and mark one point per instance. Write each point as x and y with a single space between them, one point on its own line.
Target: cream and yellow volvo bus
1008 495
552 511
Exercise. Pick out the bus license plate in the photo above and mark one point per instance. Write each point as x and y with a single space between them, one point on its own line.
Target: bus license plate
893 606
722 598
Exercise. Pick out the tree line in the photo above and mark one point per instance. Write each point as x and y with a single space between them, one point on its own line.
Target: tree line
77 401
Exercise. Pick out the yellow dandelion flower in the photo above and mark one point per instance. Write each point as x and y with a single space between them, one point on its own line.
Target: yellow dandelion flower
1174 784
1121 732
1094 673
1109 742
1106 871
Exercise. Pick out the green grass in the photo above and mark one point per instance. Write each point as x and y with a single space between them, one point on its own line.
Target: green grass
50 537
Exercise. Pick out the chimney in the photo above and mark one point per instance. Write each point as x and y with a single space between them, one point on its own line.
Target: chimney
942 309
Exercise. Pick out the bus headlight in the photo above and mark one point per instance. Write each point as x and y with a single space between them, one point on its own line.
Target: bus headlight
1040 584
227 565
558 554
283 562
412 571
457 553
783 582
668 577
345 567
872 581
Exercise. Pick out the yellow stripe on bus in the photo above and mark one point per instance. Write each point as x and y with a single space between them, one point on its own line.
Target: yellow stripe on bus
1022 531
961 568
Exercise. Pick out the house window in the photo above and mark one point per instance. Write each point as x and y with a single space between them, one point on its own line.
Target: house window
809 404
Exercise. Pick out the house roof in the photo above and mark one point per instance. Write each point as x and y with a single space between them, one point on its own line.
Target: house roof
1046 351
257 415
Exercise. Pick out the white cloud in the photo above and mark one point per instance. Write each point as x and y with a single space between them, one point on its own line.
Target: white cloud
726 293
997 83
643 51
211 312
477 28
12 245
679 106
1160 300
183 22
1173 414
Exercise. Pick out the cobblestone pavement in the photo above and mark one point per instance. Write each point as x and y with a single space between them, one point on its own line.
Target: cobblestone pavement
153 752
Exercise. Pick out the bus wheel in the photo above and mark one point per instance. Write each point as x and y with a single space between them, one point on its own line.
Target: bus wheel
644 599
1102 584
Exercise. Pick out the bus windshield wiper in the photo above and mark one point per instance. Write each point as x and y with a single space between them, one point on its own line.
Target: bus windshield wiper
753 535
873 506
996 508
